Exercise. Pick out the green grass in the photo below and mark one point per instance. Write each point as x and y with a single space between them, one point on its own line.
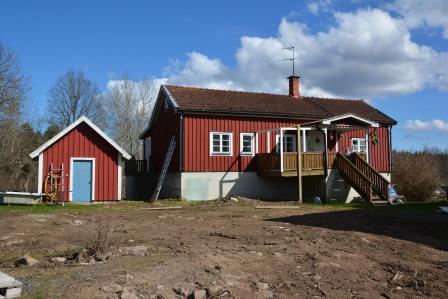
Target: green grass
46 208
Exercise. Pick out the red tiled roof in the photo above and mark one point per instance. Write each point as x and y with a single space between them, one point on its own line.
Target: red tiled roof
203 100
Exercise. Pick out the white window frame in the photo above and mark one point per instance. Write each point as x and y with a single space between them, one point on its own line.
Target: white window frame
358 149
221 153
252 144
277 143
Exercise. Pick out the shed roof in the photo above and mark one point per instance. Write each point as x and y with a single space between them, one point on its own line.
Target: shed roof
82 119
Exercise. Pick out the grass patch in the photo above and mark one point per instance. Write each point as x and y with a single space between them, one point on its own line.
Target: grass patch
45 208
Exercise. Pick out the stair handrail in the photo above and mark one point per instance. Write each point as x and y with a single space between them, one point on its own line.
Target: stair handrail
380 184
361 183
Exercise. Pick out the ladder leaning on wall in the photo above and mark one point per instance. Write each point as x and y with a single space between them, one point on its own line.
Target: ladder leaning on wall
55 181
166 164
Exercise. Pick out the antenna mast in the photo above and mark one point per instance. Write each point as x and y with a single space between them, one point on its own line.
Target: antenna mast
292 59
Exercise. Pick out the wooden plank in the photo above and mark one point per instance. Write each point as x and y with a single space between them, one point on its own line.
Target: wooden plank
161 208
276 207
299 166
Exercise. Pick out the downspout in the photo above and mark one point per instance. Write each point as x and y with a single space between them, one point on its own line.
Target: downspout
181 142
390 149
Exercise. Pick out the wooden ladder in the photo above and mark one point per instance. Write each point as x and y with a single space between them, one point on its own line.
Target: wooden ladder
166 164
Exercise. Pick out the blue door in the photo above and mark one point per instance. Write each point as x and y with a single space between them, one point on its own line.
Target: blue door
82 181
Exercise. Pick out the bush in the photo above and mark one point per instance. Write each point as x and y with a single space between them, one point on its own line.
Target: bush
99 244
416 175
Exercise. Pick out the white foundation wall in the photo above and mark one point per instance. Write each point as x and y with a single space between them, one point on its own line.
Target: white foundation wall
213 185
339 189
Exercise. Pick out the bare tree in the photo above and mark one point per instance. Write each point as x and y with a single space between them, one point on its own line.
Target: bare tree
130 104
12 86
15 167
72 96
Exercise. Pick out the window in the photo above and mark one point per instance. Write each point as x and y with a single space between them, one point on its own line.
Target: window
289 143
148 148
247 144
359 145
166 104
220 144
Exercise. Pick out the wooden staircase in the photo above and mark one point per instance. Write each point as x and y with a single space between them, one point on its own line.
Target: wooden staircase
368 182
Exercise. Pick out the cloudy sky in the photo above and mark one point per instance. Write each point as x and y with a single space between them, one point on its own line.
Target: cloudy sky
393 54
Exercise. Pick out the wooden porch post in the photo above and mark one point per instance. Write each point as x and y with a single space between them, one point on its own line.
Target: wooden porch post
299 166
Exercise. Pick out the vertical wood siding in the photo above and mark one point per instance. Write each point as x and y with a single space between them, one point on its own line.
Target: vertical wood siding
378 153
197 152
197 137
166 125
84 142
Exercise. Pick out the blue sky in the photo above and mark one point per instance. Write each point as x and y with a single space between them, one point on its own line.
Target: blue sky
394 54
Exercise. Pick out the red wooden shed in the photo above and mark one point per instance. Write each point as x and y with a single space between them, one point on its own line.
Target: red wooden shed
81 164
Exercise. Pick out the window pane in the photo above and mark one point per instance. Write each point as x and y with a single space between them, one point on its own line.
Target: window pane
225 137
216 137
216 149
225 149
225 143
215 142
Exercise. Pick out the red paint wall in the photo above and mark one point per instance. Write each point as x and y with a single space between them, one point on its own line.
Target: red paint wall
197 152
84 142
196 141
166 125
378 153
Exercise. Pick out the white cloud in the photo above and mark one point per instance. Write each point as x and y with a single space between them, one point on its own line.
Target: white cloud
368 53
417 13
425 126
316 7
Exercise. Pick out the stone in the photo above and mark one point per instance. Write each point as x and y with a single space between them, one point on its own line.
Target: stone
262 285
112 288
128 293
234 199
58 259
78 222
139 250
26 260
200 294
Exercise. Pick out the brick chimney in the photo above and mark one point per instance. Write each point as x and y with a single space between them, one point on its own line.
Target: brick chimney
294 86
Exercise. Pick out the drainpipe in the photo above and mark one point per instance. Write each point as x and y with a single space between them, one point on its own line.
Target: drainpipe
181 142
390 149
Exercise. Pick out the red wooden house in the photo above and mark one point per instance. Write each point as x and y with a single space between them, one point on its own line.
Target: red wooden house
81 164
228 144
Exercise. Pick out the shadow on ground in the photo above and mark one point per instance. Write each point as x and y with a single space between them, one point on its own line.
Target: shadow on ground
416 223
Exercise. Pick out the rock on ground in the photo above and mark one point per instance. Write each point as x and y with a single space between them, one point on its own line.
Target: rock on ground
26 260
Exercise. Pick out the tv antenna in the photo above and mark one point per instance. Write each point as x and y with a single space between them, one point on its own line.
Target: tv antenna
292 59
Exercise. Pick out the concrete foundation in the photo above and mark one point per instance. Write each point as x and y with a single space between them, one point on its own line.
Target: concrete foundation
213 185
341 191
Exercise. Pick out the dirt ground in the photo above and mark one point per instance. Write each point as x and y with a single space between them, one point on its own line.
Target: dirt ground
230 250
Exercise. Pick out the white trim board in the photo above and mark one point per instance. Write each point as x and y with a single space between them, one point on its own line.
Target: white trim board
70 192
328 121
71 127
40 174
119 176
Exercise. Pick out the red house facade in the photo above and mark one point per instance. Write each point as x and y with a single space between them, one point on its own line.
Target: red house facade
81 164
228 143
